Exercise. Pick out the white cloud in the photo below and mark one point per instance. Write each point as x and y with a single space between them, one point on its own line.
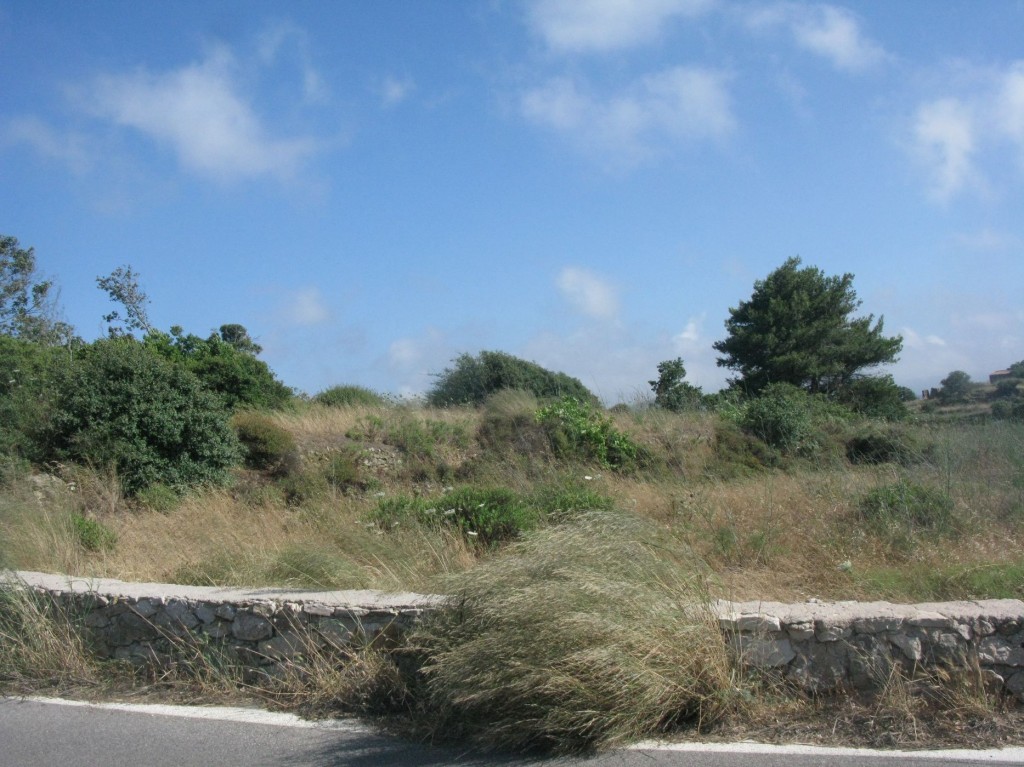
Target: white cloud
987 240
200 113
1009 105
68 148
825 30
305 307
944 137
395 90
681 104
577 26
690 336
835 34
914 340
962 135
285 37
588 294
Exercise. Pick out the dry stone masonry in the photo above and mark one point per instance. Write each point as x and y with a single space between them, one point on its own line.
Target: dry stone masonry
819 646
827 646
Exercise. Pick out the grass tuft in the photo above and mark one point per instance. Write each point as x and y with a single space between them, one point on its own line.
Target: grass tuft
579 637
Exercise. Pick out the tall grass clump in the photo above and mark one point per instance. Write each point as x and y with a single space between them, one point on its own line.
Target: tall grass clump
268 446
39 641
581 636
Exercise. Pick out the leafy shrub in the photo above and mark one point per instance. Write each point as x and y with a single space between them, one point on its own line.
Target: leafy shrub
473 379
123 407
671 391
604 635
349 396
484 515
884 444
26 395
780 417
875 396
578 430
268 447
234 374
956 388
907 506
92 534
1008 410
158 497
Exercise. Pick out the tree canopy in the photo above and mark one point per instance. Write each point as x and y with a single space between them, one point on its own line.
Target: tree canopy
27 303
472 379
798 328
671 391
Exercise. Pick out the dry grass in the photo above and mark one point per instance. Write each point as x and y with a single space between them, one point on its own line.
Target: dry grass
785 535
40 644
604 632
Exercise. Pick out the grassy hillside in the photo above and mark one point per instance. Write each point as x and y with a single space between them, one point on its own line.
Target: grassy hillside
399 496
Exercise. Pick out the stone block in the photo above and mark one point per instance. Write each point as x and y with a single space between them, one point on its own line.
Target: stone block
798 632
997 649
828 631
251 628
763 653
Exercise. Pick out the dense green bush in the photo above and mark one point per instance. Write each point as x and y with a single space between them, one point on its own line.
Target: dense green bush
234 374
881 443
26 396
473 379
484 515
579 430
671 391
875 396
268 447
349 396
120 406
908 507
781 417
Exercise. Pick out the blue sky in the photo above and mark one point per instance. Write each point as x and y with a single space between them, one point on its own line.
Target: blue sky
373 188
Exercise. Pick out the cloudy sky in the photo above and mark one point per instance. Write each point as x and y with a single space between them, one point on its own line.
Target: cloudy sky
373 188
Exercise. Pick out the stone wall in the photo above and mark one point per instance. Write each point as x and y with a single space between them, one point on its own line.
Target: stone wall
827 646
819 646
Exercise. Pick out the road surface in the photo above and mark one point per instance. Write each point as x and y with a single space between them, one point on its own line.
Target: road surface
55 733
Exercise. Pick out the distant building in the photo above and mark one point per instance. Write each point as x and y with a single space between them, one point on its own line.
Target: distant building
998 375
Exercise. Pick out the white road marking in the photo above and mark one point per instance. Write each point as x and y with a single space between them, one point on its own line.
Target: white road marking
1013 755
217 713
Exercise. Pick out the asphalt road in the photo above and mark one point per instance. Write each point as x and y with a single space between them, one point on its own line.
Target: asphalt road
37 732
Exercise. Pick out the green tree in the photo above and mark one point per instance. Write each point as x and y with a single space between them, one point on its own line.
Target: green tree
230 369
797 328
473 379
239 338
955 387
119 405
122 286
671 391
27 303
876 396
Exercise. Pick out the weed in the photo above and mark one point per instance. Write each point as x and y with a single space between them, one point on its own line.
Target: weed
578 430
485 515
92 534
